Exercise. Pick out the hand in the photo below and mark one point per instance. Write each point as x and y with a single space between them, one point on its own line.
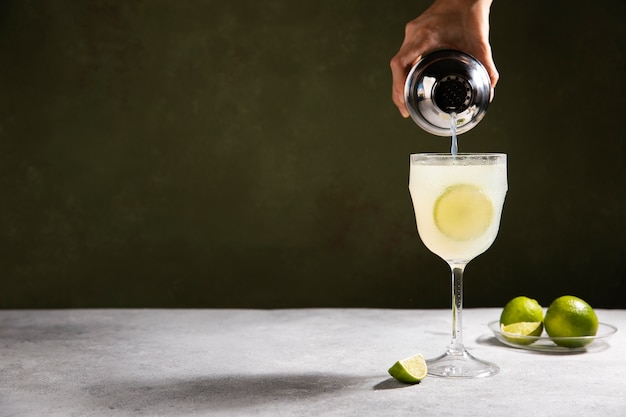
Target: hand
453 24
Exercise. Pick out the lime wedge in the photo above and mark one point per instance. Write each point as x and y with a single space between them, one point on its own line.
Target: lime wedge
463 212
512 332
410 370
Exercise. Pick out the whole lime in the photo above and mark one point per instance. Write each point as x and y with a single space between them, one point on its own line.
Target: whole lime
571 317
521 309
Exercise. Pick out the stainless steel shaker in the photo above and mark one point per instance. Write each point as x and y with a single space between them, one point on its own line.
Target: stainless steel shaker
446 83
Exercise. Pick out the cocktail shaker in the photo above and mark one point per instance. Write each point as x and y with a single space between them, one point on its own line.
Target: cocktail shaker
446 84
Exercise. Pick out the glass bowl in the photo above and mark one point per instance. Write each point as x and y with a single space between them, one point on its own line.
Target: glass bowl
545 343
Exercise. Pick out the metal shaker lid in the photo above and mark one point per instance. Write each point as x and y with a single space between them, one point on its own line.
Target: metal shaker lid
443 83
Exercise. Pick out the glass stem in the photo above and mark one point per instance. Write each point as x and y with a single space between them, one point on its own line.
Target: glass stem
456 345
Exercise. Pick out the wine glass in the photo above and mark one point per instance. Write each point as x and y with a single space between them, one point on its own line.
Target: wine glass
458 203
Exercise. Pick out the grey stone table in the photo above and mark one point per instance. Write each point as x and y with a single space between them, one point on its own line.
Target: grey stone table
302 362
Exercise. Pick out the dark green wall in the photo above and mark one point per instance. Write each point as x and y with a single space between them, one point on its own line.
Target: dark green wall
247 154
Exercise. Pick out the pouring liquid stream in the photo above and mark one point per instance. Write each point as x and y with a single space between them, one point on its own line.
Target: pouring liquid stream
454 148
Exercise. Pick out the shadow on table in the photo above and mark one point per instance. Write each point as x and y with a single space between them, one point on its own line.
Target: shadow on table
218 392
390 383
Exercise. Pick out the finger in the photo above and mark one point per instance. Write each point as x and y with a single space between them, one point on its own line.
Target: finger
494 75
483 54
487 60
398 73
400 66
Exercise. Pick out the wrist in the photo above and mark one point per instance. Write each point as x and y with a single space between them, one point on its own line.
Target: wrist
463 4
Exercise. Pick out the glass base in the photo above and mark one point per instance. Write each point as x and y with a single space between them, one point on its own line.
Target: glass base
460 364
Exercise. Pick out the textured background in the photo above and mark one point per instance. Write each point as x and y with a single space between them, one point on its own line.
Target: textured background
247 154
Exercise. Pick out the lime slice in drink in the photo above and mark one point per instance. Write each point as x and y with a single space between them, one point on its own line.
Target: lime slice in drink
512 332
410 370
463 212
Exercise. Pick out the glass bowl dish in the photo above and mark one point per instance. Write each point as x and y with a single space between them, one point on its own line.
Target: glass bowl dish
545 343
